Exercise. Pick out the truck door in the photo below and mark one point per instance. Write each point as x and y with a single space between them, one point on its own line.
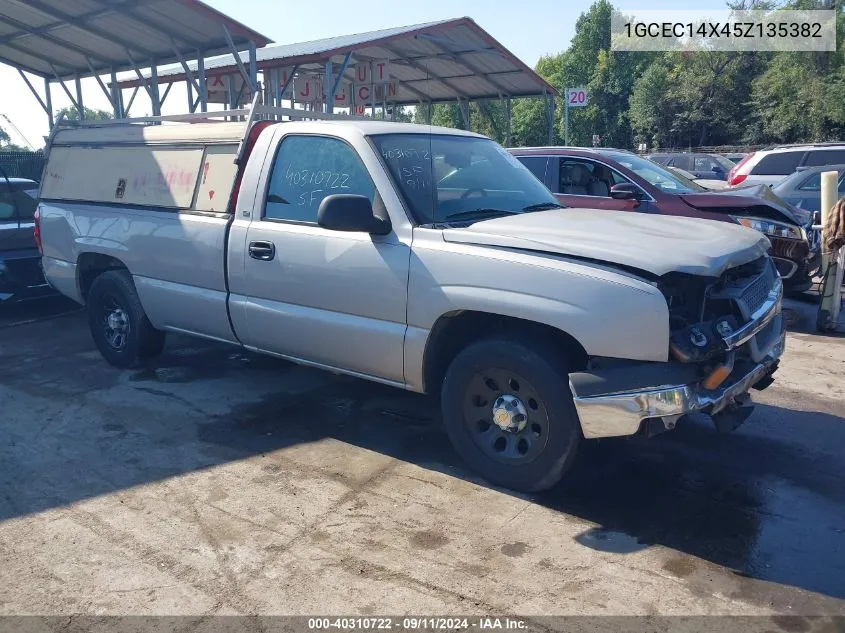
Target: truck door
336 299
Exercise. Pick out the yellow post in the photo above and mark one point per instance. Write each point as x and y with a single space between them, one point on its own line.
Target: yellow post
831 260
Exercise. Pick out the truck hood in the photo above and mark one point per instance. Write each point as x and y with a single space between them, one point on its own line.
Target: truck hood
654 243
737 200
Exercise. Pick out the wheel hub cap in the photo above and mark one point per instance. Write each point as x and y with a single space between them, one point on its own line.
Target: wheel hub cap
509 413
117 320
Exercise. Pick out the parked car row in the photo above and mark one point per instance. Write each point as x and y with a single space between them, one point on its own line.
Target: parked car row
707 166
768 167
707 183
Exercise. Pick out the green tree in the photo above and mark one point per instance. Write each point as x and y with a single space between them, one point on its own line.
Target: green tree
608 75
690 99
72 114
528 123
801 96
651 112
6 144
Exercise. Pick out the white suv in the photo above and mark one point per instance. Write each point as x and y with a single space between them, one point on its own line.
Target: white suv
770 166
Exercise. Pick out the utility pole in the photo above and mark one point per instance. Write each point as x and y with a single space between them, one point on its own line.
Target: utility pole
565 119
832 260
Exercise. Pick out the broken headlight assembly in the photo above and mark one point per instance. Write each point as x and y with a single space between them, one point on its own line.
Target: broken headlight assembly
701 341
697 323
772 228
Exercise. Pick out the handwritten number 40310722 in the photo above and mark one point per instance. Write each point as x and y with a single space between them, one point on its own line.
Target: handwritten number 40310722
324 178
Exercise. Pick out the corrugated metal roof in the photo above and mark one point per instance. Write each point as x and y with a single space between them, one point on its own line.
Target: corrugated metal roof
435 61
73 37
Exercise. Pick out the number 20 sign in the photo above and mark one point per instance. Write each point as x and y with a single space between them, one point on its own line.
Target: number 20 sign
576 97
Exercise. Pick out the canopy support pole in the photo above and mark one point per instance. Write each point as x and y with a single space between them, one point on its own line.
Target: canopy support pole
238 62
166 92
334 82
203 81
131 101
64 87
80 107
464 106
191 80
144 81
154 85
550 115
44 106
288 83
48 106
253 68
115 95
327 87
372 92
509 116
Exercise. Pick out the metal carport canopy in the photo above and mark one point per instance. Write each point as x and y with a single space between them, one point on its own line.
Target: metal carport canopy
438 61
66 39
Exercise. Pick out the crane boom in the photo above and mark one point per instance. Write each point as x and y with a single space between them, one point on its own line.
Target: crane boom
18 132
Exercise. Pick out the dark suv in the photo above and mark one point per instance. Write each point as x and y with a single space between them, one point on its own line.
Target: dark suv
20 262
709 166
620 180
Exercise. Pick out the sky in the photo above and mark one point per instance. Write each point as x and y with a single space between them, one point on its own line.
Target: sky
529 28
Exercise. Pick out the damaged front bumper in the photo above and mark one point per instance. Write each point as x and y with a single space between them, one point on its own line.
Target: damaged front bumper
618 401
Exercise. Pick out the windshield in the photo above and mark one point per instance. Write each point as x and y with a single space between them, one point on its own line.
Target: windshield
724 162
681 172
656 175
444 176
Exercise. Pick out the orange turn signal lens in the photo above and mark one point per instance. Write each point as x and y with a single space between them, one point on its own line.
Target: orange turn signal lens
719 374
717 377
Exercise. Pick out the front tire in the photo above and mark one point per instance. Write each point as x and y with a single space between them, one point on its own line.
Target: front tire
509 412
119 326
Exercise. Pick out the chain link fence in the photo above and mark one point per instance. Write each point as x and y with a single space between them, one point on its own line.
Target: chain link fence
22 164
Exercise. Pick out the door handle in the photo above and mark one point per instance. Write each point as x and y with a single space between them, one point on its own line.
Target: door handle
265 251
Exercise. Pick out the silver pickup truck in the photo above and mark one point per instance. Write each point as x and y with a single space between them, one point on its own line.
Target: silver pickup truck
424 258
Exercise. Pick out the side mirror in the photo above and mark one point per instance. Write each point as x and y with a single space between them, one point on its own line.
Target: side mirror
717 169
346 212
624 191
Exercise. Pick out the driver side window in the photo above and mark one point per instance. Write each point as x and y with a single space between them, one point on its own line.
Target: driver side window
307 169
582 177
704 163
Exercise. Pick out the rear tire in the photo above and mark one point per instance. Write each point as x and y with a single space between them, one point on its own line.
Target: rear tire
509 412
119 326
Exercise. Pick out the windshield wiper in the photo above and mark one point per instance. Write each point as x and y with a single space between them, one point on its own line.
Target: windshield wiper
478 214
543 206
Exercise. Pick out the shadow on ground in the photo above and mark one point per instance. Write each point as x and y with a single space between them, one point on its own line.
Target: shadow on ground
771 509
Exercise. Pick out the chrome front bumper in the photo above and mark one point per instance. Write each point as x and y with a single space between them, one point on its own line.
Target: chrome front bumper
622 412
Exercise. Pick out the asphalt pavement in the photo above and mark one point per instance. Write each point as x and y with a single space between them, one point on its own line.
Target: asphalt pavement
214 481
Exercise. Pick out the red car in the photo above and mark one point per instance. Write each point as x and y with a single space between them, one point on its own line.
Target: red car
620 180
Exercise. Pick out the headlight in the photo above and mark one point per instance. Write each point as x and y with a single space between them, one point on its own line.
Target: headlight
772 228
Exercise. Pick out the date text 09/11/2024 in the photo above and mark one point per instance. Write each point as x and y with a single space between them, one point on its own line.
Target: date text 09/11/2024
416 623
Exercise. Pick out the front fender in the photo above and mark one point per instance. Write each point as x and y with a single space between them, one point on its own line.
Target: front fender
609 312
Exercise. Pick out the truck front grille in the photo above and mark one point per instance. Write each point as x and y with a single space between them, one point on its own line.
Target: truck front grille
755 294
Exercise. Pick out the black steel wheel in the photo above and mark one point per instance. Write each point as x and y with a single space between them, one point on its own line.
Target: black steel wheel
509 413
506 416
119 326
